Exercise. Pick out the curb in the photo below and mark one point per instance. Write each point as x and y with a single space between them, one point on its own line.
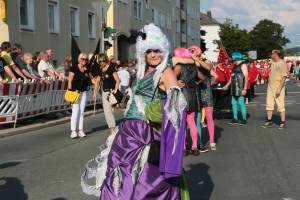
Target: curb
41 125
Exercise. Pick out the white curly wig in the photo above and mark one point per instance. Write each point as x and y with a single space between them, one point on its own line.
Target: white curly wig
153 38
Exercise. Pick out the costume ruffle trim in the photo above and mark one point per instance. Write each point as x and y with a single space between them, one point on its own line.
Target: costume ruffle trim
130 94
139 164
174 108
98 171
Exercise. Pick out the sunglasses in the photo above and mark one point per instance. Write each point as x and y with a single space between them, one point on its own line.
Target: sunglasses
84 59
102 61
152 50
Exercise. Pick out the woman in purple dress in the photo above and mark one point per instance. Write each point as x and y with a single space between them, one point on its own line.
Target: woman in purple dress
123 171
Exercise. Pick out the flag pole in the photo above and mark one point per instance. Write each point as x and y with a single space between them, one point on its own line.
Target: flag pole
95 88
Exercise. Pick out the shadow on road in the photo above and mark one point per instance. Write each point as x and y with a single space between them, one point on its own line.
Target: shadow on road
199 182
9 164
101 128
11 188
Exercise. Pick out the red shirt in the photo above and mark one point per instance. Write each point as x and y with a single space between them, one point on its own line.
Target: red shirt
221 74
253 72
228 73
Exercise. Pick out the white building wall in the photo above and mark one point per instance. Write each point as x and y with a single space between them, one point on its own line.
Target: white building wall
212 33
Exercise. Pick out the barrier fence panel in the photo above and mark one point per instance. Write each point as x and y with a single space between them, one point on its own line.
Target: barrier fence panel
9 98
25 100
57 96
33 99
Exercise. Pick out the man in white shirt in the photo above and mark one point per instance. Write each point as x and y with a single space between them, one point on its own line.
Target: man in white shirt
45 69
125 80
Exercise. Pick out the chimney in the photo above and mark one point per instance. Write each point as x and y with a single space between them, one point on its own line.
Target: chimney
209 14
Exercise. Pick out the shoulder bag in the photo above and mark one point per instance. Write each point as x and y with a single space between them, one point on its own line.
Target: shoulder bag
114 98
73 96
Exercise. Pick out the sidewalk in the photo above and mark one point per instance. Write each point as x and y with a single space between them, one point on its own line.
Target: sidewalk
40 124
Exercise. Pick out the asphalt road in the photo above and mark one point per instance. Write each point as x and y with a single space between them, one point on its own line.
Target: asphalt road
250 163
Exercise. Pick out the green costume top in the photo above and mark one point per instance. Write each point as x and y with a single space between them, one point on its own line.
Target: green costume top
142 96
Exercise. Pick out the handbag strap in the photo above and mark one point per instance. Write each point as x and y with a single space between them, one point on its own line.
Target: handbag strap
151 128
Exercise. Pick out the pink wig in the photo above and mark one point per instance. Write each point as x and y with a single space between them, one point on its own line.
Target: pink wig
182 53
197 49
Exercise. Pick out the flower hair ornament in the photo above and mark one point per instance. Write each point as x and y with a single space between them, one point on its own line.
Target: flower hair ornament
151 37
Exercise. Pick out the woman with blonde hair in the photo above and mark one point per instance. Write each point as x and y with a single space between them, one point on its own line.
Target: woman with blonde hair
27 58
64 69
79 76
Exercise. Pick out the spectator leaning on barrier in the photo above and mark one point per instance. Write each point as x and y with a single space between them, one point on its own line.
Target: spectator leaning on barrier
27 58
16 57
6 47
36 60
77 74
64 69
45 69
1 80
4 68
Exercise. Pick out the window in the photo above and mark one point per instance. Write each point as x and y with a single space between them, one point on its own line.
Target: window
161 19
27 14
91 24
177 26
135 9
188 9
74 20
155 16
138 14
147 4
177 3
124 1
168 26
174 41
192 32
53 16
189 31
192 12
173 13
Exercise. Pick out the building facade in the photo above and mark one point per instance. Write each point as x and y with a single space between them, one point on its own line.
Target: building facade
41 24
178 19
211 28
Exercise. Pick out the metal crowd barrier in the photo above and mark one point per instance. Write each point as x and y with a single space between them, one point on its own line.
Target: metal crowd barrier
25 100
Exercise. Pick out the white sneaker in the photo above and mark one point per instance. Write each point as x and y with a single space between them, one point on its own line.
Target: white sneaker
247 102
67 112
213 146
58 114
81 134
74 134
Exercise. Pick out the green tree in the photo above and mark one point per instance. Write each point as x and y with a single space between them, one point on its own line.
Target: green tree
233 38
288 52
266 36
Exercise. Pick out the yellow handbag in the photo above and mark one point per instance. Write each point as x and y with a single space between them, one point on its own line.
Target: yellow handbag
72 96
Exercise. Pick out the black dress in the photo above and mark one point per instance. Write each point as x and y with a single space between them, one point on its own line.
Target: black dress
188 75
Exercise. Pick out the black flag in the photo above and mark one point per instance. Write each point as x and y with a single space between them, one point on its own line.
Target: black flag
75 51
93 64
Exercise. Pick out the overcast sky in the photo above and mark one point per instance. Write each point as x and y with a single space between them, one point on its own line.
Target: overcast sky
248 13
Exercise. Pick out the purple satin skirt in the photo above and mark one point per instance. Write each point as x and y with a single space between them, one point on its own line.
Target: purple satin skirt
132 136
